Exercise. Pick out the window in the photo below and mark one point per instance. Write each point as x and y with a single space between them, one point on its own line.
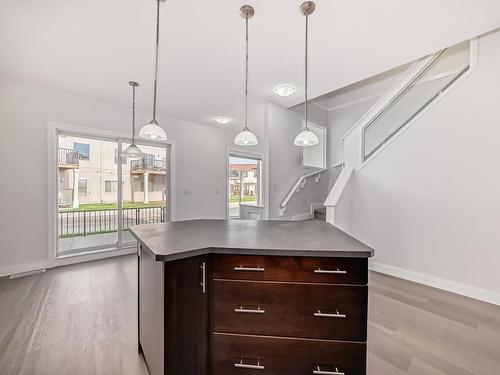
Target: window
110 186
83 150
87 201
124 158
315 156
82 187
446 68
149 161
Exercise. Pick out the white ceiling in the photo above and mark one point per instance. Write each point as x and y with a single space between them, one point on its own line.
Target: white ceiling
94 47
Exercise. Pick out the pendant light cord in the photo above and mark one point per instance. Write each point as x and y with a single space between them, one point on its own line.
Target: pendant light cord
133 114
305 68
157 56
246 74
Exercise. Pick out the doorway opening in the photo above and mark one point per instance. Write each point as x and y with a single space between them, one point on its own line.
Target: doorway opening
244 185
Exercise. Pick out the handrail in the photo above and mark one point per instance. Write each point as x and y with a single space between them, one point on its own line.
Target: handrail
339 187
297 184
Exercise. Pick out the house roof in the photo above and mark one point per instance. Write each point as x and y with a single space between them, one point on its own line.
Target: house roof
243 167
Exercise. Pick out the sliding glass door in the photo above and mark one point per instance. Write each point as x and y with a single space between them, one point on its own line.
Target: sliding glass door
144 189
100 194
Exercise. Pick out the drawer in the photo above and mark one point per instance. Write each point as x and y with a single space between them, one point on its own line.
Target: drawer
317 311
299 269
240 355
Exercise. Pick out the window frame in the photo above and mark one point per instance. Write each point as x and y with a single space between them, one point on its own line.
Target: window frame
86 187
393 94
54 129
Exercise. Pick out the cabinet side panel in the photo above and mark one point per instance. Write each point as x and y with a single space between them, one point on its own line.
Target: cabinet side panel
186 317
151 312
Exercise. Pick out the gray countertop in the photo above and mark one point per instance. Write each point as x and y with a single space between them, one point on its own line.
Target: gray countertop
183 239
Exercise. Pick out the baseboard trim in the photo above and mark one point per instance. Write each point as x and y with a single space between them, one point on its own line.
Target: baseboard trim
22 268
435 282
35 266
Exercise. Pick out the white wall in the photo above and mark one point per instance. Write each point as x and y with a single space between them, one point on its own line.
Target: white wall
340 121
200 157
285 160
429 204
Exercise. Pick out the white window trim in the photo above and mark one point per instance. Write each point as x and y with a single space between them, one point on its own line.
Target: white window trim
53 129
264 177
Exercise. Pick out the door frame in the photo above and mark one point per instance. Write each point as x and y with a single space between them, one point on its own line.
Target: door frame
263 173
53 131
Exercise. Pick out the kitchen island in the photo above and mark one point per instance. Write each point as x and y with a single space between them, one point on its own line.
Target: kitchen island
247 297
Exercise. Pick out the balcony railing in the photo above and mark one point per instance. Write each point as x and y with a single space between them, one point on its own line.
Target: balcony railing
148 165
68 156
84 223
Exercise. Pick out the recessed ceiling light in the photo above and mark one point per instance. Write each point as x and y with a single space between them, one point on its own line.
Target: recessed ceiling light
285 90
222 119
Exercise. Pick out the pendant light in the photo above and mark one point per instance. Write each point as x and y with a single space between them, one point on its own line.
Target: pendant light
306 137
133 151
153 131
246 137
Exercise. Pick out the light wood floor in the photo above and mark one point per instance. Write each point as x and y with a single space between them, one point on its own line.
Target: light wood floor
82 320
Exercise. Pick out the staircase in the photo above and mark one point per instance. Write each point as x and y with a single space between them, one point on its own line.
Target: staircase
320 214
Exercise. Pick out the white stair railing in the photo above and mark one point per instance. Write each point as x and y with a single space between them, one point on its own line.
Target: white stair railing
299 186
301 183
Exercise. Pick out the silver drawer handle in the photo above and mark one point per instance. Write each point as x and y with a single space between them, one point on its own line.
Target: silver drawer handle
329 315
331 272
241 309
321 372
240 364
250 269
203 283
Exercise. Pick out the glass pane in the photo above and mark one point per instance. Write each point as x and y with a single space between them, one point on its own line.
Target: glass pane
144 189
436 78
244 183
87 214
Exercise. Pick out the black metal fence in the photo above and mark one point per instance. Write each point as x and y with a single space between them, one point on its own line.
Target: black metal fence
83 223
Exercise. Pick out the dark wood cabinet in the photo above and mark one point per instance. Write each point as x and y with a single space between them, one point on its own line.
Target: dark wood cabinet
244 355
294 269
330 312
186 316
220 314
174 315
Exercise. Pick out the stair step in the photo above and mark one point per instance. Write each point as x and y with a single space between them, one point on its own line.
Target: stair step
320 214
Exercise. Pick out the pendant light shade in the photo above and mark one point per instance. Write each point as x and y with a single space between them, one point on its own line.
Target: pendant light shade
133 151
306 137
152 131
246 137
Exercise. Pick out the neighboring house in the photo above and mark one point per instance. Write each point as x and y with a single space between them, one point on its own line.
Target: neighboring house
88 173
243 177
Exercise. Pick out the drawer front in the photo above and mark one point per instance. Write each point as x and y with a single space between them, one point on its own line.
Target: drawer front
299 269
332 312
239 355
